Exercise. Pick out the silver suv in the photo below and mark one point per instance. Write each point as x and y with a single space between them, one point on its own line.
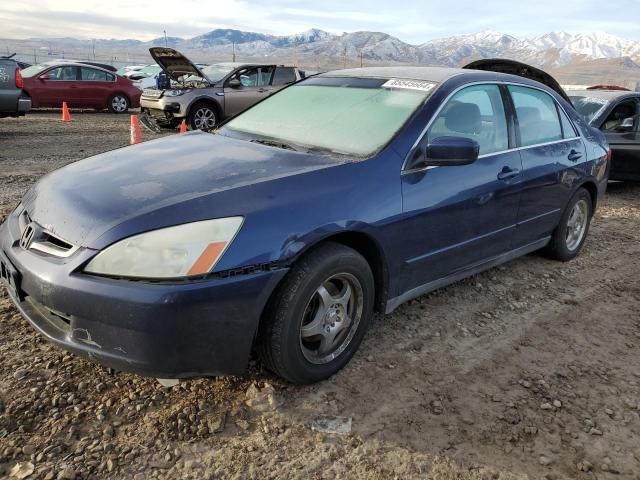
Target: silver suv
204 96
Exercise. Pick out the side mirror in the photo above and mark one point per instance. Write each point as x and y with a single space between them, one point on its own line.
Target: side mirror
234 83
451 151
626 125
44 77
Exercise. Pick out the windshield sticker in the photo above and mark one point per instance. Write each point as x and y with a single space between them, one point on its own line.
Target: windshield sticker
409 84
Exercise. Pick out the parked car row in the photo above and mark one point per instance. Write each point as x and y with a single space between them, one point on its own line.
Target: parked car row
281 231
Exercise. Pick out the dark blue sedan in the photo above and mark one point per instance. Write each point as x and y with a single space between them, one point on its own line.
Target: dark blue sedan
284 230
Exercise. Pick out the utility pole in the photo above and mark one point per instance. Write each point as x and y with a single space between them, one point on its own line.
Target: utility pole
93 47
35 57
344 57
233 47
165 38
360 58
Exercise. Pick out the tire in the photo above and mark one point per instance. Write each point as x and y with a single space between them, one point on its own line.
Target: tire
298 355
202 116
118 103
569 236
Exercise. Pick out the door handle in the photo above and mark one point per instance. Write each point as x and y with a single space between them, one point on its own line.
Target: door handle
574 156
508 172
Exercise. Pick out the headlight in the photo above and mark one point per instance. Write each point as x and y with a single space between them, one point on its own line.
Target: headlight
173 93
182 251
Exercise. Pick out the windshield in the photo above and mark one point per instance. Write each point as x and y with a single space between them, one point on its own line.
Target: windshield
343 115
215 73
588 107
32 70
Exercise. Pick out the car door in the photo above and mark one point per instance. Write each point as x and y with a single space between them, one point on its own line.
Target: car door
252 88
551 151
56 85
621 127
95 87
462 216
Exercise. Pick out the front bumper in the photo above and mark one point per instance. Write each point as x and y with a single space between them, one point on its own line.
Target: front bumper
195 328
163 107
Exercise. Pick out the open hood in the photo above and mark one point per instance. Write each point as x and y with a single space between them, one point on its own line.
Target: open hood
520 69
174 63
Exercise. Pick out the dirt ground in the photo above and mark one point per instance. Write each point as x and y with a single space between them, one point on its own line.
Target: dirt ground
528 371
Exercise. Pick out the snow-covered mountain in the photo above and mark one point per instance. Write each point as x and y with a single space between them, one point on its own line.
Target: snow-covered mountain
318 47
550 49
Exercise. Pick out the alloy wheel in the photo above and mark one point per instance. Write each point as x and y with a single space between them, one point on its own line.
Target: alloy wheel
331 318
204 118
119 104
577 224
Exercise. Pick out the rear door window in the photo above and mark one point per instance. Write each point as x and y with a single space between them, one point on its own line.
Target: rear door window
476 112
283 76
92 74
537 114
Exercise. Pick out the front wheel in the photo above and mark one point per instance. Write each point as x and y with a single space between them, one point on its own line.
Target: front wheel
118 103
318 316
202 116
570 234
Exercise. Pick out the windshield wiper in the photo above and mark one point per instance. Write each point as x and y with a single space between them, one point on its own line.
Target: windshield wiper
276 143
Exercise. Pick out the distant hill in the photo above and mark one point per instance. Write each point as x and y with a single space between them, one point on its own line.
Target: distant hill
584 55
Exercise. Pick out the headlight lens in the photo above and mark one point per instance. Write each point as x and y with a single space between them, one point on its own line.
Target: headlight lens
185 250
173 93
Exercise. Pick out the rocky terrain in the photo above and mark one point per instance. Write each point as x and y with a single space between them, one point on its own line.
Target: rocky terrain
527 371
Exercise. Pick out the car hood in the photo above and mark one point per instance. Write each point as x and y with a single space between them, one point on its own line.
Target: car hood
174 63
520 69
82 201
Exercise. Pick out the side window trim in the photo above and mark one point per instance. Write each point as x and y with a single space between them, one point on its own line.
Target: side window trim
512 122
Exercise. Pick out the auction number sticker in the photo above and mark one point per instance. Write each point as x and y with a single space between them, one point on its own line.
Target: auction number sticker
409 84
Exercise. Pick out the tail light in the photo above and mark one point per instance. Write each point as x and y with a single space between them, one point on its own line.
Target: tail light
19 79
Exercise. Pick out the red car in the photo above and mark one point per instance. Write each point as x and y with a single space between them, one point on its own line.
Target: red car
80 85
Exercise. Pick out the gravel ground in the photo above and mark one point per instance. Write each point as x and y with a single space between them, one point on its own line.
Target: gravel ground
528 371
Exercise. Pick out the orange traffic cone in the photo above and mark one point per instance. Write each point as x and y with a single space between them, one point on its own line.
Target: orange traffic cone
183 126
135 130
66 115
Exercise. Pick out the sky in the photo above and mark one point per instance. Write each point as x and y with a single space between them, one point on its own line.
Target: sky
413 21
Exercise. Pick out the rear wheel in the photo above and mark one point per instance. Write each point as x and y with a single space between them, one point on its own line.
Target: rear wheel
318 316
202 116
118 103
570 234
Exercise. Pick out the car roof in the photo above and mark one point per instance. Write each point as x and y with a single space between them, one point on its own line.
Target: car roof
241 64
603 94
72 63
429 74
